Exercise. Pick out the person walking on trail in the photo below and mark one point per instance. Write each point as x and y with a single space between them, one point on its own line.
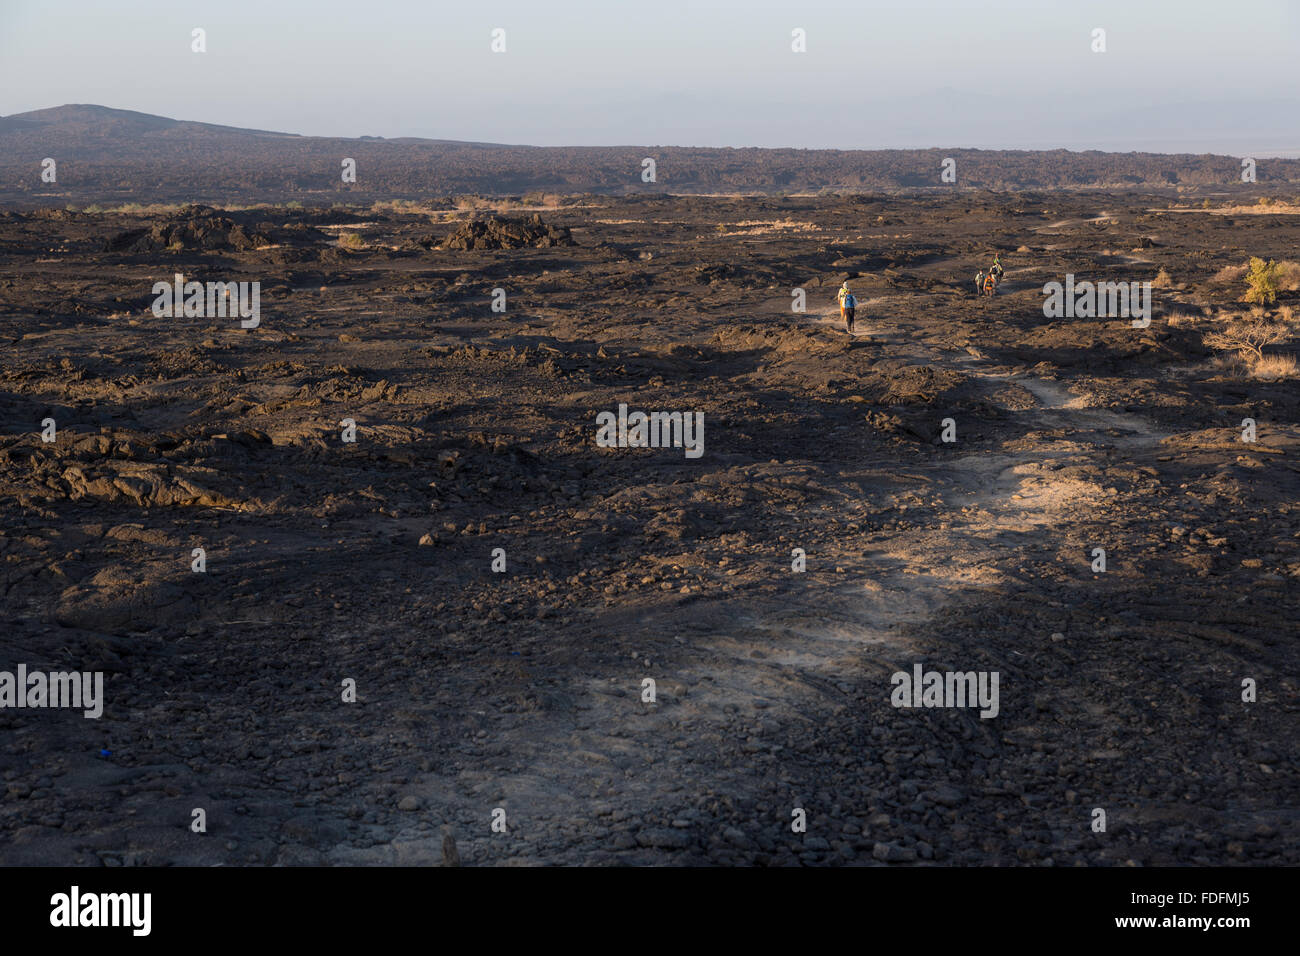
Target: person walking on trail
996 268
844 294
848 305
979 282
990 284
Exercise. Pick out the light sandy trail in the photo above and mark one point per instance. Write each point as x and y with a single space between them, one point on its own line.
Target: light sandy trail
989 499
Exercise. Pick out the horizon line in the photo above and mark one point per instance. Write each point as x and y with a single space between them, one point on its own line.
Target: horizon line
1270 152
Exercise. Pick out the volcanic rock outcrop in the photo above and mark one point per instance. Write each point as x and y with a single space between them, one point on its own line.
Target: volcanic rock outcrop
506 233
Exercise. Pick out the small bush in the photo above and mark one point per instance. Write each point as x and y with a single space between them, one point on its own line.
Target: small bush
1228 275
398 206
1288 276
1249 335
1261 281
351 240
1274 367
1162 280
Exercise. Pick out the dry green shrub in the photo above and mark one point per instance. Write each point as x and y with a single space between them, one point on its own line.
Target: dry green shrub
1261 282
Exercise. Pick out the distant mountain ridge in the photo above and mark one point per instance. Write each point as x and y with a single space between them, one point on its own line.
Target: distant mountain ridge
89 119
111 155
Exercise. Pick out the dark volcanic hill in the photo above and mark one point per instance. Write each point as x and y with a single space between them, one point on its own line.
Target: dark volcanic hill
118 155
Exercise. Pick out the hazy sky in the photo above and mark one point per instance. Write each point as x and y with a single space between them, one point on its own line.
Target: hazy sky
1177 75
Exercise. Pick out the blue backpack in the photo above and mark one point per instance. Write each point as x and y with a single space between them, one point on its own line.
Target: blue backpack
850 301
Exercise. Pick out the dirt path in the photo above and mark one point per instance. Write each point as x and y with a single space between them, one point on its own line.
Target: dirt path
1066 223
985 495
759 675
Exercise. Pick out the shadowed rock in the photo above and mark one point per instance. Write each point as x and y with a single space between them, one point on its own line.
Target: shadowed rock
450 855
193 229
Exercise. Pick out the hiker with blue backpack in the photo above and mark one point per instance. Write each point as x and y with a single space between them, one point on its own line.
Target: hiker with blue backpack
848 303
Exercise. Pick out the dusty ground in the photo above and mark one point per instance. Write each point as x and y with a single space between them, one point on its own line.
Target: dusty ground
522 690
